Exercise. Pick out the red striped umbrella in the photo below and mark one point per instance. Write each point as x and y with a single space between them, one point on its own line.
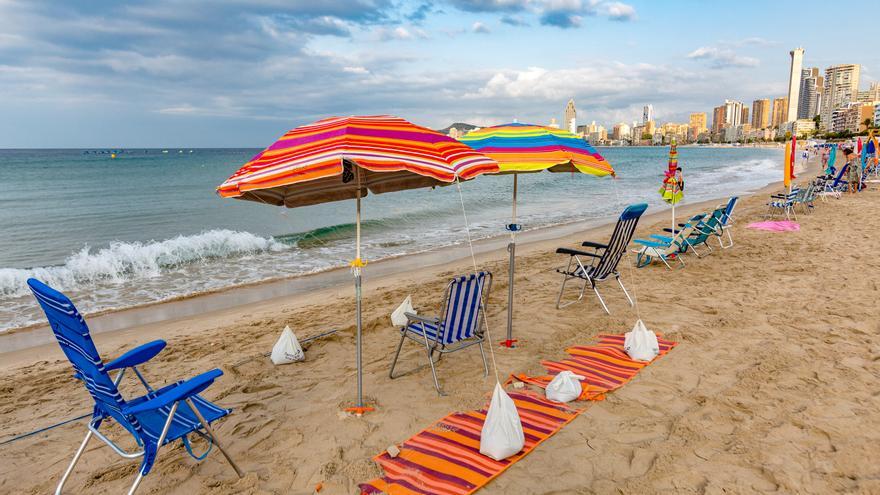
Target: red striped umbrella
345 158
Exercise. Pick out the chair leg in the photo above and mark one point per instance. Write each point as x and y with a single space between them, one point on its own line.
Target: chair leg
602 301
396 355
430 353
76 457
620 282
140 476
566 278
214 437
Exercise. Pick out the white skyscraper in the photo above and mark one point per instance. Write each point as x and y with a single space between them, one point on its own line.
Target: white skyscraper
647 114
841 88
569 120
794 83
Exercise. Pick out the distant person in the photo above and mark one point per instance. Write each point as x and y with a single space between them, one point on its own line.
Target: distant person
825 153
853 171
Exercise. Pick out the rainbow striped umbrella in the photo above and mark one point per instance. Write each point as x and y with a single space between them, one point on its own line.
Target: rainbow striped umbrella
523 148
345 158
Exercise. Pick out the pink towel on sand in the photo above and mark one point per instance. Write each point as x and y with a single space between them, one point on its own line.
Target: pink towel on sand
776 226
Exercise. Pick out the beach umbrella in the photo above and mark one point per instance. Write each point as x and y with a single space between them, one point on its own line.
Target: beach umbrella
672 189
832 157
341 158
526 148
787 172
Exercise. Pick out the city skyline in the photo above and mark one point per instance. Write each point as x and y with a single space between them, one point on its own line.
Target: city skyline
158 73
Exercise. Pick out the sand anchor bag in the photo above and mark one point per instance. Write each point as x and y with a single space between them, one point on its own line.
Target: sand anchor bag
641 343
287 350
565 387
502 435
398 316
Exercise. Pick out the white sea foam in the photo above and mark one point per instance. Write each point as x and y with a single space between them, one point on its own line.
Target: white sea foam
125 261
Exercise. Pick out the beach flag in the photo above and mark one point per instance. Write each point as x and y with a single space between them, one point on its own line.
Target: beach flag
788 166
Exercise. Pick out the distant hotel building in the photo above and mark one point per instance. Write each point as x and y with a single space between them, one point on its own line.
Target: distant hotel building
794 83
780 111
696 125
647 114
761 114
570 118
810 93
841 88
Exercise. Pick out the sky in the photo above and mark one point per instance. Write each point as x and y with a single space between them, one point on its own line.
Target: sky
239 73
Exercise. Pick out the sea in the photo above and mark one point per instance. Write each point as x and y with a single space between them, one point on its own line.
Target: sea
147 226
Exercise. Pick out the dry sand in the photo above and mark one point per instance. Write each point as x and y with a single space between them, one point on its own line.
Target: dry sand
775 386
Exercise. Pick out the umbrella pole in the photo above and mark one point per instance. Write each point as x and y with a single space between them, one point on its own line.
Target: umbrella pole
511 248
357 265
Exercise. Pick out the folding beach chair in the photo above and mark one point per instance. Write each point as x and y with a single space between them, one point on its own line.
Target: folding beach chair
664 248
155 419
727 223
836 186
706 227
605 258
783 204
463 311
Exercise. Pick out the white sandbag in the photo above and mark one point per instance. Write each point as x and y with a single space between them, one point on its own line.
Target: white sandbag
502 434
287 349
641 343
398 316
564 387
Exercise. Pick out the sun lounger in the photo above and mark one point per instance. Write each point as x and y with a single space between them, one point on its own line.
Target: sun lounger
665 250
604 258
155 419
708 225
726 223
783 204
459 328
836 186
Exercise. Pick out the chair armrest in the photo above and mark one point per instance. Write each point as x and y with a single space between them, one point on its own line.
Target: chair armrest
183 391
136 356
651 243
434 320
575 252
596 245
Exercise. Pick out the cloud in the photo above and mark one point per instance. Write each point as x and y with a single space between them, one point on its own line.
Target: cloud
513 21
480 28
618 11
400 33
490 5
719 58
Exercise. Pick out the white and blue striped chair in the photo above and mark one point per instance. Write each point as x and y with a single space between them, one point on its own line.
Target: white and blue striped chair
459 328
155 419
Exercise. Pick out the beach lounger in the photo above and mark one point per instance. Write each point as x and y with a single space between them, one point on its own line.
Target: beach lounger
708 225
835 187
155 419
604 258
463 311
783 204
726 223
667 248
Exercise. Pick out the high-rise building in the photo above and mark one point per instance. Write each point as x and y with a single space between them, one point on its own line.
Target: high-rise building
745 115
697 123
761 114
841 88
732 112
794 83
647 114
621 131
569 121
872 95
780 112
717 119
808 99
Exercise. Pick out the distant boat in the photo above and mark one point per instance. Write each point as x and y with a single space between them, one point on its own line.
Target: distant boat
164 151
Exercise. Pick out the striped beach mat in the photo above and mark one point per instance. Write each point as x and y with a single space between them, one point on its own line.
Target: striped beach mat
605 366
445 459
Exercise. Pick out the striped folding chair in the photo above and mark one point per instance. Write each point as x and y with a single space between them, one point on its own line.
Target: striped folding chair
604 258
155 419
463 311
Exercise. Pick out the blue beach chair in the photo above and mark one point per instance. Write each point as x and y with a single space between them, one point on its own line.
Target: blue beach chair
666 248
604 258
155 419
836 186
463 311
726 223
707 226
783 204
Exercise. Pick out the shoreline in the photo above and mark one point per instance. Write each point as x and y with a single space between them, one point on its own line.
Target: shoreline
297 287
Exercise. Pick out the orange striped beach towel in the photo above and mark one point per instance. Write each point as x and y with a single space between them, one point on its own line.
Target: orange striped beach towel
445 459
604 366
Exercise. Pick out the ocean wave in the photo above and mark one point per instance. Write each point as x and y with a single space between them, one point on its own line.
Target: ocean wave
125 261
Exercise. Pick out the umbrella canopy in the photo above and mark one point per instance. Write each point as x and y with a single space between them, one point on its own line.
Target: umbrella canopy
312 164
523 148
344 157
672 189
533 148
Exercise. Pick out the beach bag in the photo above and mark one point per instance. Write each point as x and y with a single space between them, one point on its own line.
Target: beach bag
398 316
641 343
502 434
287 350
564 387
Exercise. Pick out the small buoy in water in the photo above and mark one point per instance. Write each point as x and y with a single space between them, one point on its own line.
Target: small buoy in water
112 155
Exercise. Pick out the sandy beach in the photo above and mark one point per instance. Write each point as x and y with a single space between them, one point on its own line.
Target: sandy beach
773 387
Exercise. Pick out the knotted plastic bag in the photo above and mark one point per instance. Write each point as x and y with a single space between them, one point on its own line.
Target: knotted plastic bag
502 434
398 316
287 349
641 343
564 387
